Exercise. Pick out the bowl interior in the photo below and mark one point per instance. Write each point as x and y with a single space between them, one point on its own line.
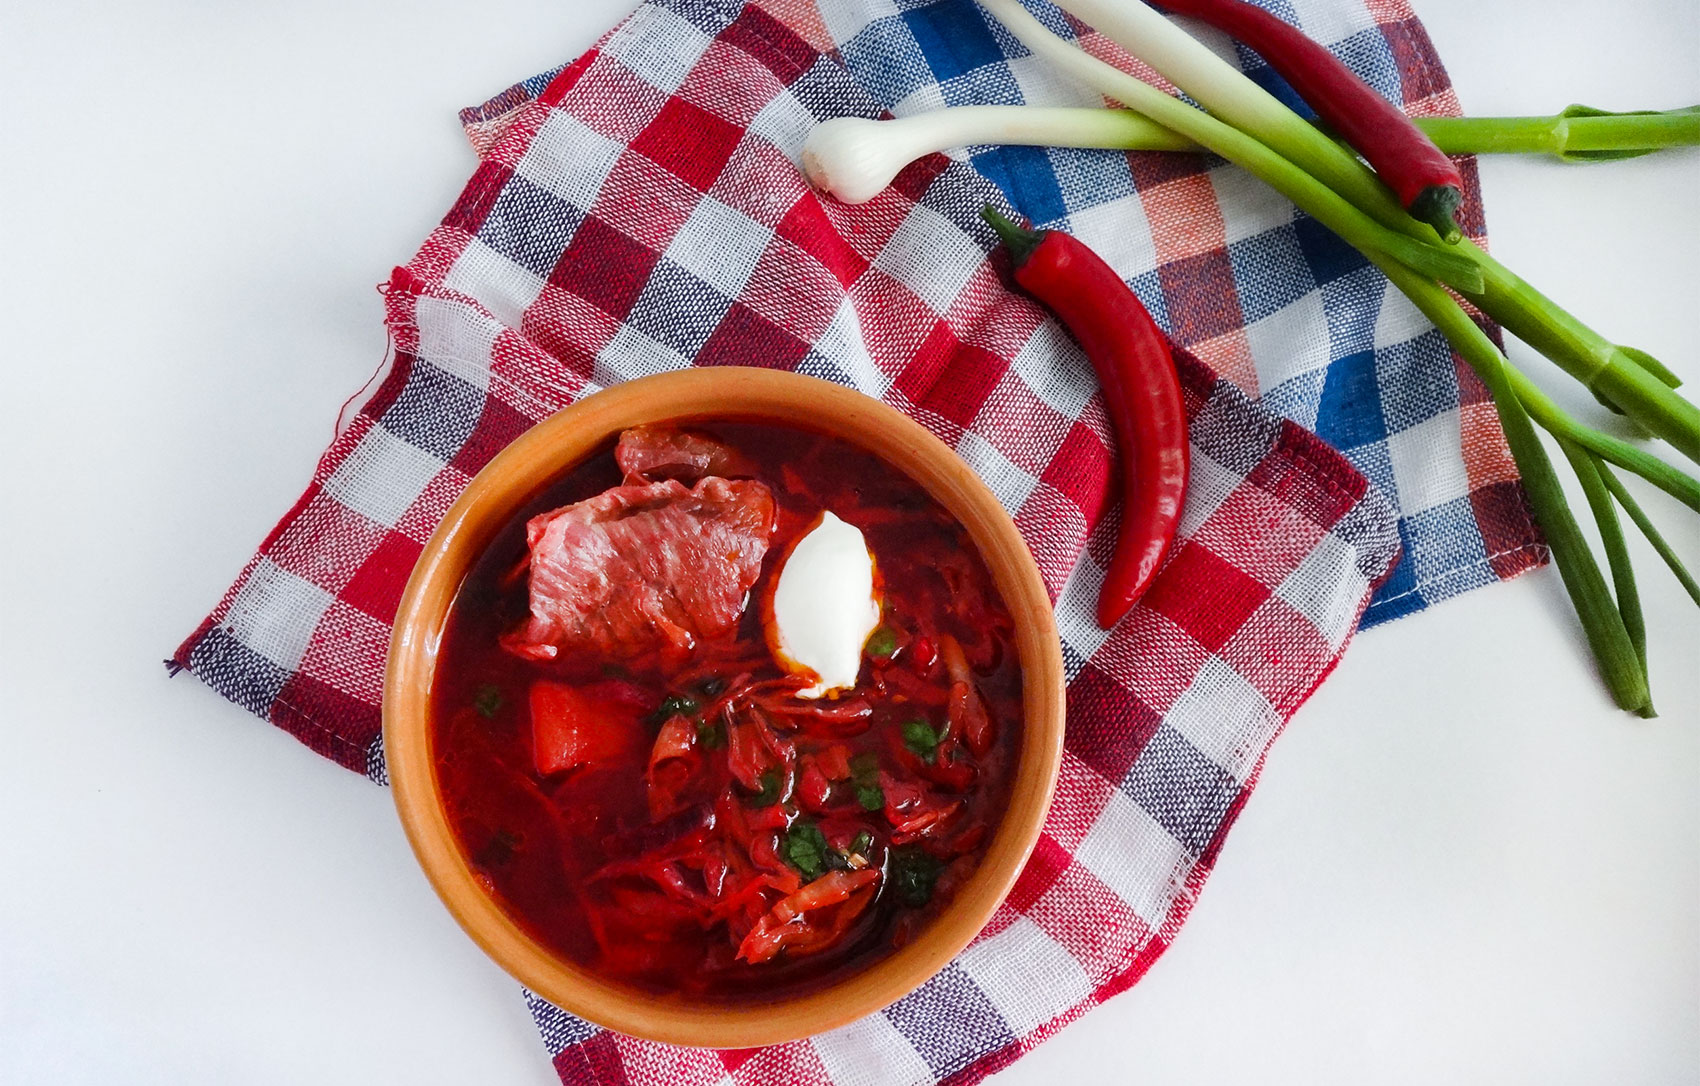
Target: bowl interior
555 446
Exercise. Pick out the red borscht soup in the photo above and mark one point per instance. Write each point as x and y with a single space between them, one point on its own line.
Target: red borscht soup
729 711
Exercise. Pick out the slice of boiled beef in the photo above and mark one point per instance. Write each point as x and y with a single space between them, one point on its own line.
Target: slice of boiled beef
666 452
643 569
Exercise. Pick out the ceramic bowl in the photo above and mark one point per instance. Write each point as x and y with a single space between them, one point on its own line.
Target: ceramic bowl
554 447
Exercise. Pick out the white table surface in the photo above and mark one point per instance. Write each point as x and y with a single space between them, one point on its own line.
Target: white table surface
1461 865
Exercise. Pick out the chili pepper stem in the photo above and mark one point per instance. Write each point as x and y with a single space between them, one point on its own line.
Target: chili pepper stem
1019 240
1438 205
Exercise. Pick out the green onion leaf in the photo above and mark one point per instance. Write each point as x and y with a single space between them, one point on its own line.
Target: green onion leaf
922 739
805 848
882 643
912 875
488 701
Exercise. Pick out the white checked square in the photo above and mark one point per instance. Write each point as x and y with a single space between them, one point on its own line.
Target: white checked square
870 1052
276 613
456 339
931 256
1077 609
1249 207
923 99
842 345
569 158
1327 588
1136 858
1008 482
631 354
383 476
720 246
1029 976
786 123
659 46
1043 84
1427 467
1055 368
845 21
1224 717
1329 21
498 284
1118 231
1291 341
1398 320
1208 486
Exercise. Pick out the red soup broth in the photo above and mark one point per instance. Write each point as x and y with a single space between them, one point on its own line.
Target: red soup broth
669 875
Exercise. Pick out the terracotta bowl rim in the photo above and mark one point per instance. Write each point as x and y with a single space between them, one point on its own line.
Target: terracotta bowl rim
542 454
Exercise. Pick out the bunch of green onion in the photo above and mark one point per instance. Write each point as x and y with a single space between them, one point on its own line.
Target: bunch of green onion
854 159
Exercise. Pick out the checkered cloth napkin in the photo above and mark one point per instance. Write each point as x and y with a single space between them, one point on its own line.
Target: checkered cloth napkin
639 210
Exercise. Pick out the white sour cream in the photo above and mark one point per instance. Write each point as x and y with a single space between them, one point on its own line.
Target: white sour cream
824 607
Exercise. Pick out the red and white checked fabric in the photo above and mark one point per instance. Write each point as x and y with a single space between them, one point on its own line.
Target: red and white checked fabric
644 213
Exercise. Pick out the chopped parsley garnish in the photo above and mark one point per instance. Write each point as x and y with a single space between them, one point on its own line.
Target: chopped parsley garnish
911 875
771 783
710 735
674 705
882 643
865 778
861 844
805 849
488 701
921 738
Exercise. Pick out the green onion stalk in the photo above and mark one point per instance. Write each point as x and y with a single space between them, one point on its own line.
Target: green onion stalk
1611 622
1614 374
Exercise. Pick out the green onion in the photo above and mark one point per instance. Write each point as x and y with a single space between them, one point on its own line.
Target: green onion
1455 269
1227 93
855 158
1587 467
1633 508
922 739
882 643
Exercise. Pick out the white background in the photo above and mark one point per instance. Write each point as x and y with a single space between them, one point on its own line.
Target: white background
1461 864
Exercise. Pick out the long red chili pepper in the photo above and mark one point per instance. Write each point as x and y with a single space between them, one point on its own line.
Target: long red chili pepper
1426 182
1142 394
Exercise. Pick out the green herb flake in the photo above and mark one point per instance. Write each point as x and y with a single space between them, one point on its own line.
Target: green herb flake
771 783
865 778
911 875
805 849
882 643
710 735
487 702
870 796
862 843
674 705
922 739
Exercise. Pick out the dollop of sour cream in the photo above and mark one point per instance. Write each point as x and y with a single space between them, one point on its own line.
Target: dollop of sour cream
825 606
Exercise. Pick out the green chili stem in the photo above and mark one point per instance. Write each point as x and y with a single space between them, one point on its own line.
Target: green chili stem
1645 523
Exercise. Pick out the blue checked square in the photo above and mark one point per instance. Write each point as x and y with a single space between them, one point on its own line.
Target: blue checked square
1418 380
531 226
237 671
1252 258
1352 303
1349 414
990 85
1368 54
1398 595
887 61
953 36
678 309
436 411
1087 178
1183 790
1328 256
1025 176
947 1042
1297 398
559 1029
1447 549
1149 287
815 364
1375 461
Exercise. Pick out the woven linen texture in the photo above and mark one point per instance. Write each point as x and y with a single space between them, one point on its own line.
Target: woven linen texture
640 210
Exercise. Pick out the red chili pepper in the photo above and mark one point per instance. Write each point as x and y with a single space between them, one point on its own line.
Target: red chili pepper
1426 182
1142 393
